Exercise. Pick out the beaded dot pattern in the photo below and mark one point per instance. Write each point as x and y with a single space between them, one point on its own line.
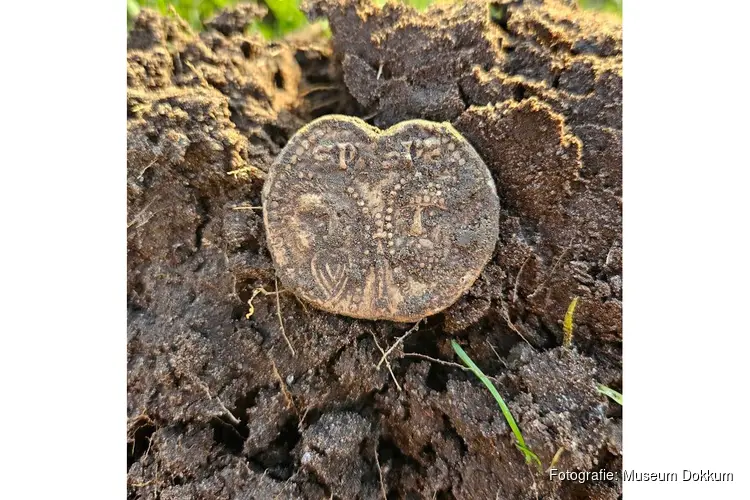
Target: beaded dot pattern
392 225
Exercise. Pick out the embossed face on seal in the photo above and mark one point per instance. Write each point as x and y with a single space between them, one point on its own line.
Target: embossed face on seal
391 225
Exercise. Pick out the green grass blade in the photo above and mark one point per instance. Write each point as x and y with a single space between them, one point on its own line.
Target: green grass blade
616 396
521 444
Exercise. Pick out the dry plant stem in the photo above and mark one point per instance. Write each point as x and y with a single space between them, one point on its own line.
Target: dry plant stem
387 363
494 350
380 473
245 207
151 164
230 415
302 419
148 448
435 360
442 362
398 341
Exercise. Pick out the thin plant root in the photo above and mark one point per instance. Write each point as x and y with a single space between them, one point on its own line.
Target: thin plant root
442 362
398 341
228 413
247 172
284 389
246 207
251 310
387 363
380 474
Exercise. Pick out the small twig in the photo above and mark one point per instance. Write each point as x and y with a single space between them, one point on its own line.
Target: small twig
380 71
140 176
380 473
148 448
230 415
139 216
496 354
246 207
398 341
232 428
443 362
435 360
284 389
387 363
302 419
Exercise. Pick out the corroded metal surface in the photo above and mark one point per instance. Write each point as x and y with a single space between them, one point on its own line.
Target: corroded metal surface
373 224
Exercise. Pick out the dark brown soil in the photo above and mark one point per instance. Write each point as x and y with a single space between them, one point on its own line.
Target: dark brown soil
218 407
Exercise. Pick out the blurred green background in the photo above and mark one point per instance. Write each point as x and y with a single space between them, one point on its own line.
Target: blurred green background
284 16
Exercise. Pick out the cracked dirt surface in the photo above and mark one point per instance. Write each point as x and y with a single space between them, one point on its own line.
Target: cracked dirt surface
218 407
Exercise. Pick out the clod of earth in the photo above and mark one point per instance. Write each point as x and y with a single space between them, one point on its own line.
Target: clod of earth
537 92
373 224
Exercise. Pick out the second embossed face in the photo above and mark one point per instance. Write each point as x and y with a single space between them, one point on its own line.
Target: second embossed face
373 224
